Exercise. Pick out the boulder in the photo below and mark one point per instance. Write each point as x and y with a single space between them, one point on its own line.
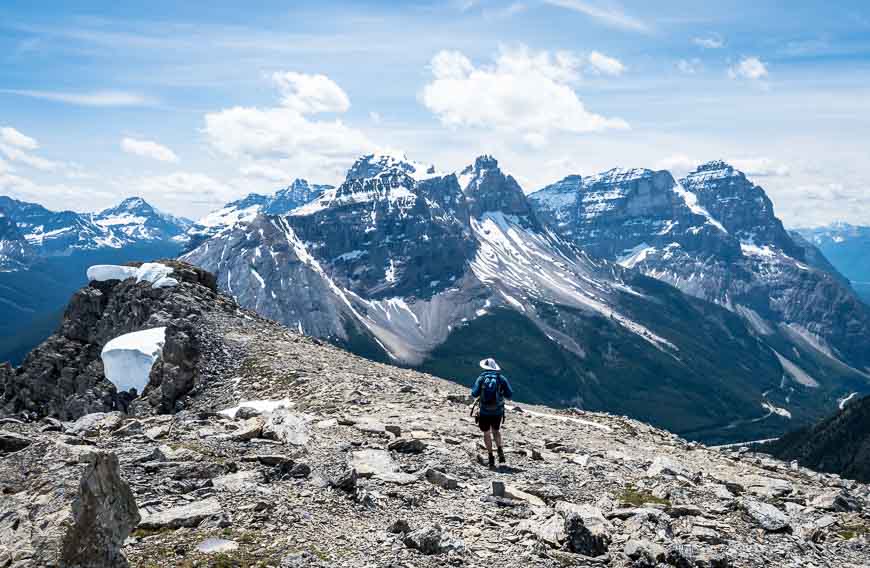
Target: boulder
12 442
441 479
407 446
838 501
64 505
765 515
287 427
433 540
663 465
582 539
644 553
189 515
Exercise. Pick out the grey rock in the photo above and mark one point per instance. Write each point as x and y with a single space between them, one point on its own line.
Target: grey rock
12 442
189 515
585 536
65 505
288 427
441 479
407 446
644 553
765 515
433 540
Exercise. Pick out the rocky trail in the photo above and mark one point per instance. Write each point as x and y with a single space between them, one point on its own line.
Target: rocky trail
295 453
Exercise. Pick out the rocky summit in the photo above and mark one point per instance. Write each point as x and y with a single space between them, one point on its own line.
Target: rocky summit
290 452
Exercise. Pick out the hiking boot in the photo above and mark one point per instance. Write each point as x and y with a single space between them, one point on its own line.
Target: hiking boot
501 456
491 461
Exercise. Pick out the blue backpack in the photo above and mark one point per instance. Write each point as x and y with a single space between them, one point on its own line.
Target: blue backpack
490 392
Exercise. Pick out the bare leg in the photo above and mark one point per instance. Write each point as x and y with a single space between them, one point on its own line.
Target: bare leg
487 440
497 435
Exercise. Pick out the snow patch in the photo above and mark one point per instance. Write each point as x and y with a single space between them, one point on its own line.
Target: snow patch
636 255
845 400
776 410
262 406
127 359
154 272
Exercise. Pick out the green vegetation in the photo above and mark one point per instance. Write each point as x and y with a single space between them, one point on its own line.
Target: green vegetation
636 498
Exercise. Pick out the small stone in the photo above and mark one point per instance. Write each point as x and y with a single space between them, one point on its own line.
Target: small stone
406 446
432 540
246 412
399 526
498 488
441 479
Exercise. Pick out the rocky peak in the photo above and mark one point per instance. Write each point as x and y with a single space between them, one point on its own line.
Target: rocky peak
295 195
742 207
488 189
374 165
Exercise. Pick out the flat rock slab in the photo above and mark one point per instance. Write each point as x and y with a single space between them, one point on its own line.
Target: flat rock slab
379 465
189 515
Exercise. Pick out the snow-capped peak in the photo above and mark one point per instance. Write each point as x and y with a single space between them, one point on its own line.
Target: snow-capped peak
373 165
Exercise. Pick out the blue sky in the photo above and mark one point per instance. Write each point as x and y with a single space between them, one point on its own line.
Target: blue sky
191 104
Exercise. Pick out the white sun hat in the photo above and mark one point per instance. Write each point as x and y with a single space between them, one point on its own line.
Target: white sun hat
490 365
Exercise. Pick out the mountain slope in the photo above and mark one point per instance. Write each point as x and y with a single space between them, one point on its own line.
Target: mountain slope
426 269
286 451
839 444
714 235
848 248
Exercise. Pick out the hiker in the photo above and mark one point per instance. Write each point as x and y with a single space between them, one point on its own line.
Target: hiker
492 387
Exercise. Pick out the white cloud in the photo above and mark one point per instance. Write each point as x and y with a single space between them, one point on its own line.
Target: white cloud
748 68
18 155
303 145
606 65
524 93
677 164
760 167
689 66
180 190
148 149
609 16
15 138
375 117
709 42
310 93
95 99
264 171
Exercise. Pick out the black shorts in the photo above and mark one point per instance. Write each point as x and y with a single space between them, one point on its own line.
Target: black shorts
487 422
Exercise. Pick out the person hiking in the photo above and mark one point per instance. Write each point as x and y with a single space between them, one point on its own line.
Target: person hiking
492 388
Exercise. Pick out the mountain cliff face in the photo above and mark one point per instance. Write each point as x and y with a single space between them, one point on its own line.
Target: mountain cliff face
405 264
289 452
714 235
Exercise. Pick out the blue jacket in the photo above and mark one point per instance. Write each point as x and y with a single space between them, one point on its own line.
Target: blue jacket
506 392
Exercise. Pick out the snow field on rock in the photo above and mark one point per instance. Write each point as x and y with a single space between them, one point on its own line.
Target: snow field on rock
127 359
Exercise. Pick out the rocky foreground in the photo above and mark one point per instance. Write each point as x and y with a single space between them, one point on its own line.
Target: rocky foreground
294 453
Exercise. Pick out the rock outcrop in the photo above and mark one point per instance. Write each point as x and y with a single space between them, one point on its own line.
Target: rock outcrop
63 376
63 505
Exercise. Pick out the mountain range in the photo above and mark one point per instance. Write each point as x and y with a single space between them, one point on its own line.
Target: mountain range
684 303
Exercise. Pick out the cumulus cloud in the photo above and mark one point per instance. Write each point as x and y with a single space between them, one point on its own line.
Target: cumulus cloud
523 93
748 68
148 149
604 64
305 145
94 99
709 42
13 137
310 93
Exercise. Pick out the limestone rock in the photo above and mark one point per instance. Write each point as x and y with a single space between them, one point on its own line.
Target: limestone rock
765 515
64 504
189 515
